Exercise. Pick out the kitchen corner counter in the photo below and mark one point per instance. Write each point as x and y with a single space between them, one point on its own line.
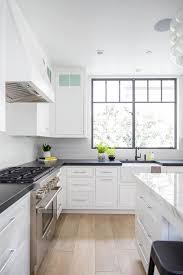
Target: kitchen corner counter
167 191
10 193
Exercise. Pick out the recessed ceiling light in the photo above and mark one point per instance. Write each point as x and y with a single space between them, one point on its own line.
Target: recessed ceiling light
163 25
100 52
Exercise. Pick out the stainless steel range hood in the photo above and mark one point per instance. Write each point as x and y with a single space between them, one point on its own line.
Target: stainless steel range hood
22 92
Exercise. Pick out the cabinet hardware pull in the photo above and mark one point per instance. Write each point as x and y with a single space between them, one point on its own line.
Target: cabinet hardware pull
149 235
106 172
8 224
80 172
80 184
12 252
106 179
80 200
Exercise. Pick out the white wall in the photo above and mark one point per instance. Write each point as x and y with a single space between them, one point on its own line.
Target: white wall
16 150
81 148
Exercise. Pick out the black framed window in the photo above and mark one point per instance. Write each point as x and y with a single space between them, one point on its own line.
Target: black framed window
129 113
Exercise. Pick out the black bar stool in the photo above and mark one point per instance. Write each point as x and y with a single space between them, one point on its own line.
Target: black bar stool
167 256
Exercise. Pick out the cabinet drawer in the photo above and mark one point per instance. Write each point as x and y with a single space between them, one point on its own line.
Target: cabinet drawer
80 172
106 172
147 217
81 199
14 226
16 261
143 239
81 184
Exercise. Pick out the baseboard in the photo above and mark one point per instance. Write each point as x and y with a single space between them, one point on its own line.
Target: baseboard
98 211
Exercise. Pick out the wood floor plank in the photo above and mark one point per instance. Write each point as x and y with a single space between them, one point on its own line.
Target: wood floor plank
66 234
130 263
105 254
123 227
84 253
57 263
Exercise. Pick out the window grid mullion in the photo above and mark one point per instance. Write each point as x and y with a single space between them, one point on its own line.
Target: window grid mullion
147 90
134 105
133 114
161 91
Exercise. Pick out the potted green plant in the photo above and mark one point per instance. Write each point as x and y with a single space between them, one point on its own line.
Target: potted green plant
46 150
101 148
111 152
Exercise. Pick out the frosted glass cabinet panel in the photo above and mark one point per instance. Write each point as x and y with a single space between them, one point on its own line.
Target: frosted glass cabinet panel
67 80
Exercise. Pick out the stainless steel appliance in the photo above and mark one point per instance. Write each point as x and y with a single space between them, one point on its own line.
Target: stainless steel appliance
44 217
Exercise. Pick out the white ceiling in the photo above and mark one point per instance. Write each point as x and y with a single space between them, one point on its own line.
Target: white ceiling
71 31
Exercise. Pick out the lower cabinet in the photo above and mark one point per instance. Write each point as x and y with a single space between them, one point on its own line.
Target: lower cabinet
80 193
127 197
106 192
15 238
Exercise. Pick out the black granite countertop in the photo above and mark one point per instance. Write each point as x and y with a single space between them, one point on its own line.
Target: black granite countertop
10 193
69 162
170 162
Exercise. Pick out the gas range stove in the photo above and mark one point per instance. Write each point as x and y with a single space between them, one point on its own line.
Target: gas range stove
23 175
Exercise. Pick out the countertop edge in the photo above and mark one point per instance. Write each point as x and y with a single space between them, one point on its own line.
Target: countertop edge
15 198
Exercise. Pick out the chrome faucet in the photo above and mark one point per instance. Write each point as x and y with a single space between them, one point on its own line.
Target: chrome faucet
136 155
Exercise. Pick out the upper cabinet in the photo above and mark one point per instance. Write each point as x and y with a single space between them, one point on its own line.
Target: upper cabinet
26 62
69 111
28 119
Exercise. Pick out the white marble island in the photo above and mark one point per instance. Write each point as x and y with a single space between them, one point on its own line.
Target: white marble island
159 210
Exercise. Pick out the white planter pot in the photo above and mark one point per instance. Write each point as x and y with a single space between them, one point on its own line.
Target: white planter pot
101 156
47 154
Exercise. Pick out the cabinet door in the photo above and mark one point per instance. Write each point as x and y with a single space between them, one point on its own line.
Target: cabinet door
127 197
69 113
43 119
106 193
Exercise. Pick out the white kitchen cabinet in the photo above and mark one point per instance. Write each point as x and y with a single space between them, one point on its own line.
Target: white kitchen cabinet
80 187
69 119
15 238
106 192
127 197
28 119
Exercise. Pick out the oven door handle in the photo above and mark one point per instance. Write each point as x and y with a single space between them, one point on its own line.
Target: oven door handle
44 204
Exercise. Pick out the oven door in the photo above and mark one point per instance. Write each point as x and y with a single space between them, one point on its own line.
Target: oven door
46 218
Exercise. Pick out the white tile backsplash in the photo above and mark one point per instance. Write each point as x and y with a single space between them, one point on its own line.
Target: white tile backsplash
16 150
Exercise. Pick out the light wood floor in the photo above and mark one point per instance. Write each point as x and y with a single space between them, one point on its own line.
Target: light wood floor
93 245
